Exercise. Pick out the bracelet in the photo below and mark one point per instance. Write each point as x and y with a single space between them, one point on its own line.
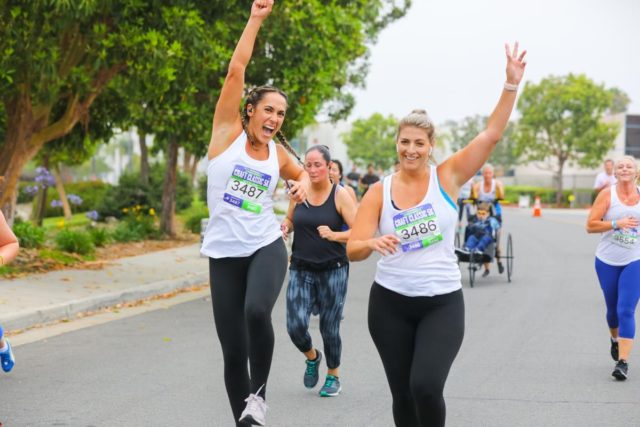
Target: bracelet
510 87
289 219
613 225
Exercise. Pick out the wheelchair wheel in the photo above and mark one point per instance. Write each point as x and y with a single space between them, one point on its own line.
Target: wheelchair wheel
472 272
509 257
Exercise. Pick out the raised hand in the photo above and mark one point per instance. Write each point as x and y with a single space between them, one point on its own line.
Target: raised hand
515 63
261 8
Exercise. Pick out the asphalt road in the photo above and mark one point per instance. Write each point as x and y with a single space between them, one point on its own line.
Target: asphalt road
535 354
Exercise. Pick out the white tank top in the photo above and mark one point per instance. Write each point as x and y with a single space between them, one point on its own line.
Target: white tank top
490 196
425 263
240 200
618 247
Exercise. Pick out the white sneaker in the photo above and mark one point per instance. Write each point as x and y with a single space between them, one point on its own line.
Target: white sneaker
255 411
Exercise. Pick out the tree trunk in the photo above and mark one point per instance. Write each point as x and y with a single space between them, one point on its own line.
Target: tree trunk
66 208
37 216
559 174
186 162
194 169
144 158
28 128
167 218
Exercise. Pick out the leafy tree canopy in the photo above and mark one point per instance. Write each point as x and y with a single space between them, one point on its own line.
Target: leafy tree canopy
460 133
372 140
562 122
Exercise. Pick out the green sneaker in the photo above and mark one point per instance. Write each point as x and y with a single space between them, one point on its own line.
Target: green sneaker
331 387
311 373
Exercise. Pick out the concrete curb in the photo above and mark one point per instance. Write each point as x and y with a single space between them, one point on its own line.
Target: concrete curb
66 310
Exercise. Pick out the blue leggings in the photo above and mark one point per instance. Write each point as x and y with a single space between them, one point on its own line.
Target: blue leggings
327 289
621 288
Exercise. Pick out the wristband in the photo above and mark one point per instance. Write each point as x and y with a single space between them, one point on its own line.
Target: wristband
613 224
510 87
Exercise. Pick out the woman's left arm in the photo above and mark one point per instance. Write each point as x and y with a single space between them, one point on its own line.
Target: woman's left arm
291 172
463 164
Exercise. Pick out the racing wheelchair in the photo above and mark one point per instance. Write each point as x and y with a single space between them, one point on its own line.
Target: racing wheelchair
492 251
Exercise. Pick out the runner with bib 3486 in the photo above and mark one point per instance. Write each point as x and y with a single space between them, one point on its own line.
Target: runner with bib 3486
416 309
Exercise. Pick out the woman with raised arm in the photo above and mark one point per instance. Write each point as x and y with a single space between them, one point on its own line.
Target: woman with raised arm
247 256
616 214
416 309
8 252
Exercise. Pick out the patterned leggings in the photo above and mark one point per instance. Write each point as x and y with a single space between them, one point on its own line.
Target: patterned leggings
327 290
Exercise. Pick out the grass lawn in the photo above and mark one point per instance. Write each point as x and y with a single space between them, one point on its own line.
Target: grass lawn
77 220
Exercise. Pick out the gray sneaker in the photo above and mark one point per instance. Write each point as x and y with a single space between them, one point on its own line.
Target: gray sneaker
311 373
331 387
621 370
256 410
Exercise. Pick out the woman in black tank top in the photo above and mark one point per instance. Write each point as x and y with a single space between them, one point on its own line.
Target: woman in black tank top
319 269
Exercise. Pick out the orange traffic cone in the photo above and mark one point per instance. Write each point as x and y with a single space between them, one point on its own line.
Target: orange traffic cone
537 209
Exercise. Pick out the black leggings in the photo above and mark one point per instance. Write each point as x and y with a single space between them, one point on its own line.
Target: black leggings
243 292
417 338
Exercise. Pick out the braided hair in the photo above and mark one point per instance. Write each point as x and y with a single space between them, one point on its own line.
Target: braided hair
253 98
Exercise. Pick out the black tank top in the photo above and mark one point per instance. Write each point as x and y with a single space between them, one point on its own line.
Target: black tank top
310 251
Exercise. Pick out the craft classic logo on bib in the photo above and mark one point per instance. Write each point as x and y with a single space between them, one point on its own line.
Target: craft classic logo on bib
247 188
417 228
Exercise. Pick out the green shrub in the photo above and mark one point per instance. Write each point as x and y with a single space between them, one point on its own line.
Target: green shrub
131 192
91 193
100 236
194 220
547 195
25 196
138 224
74 241
29 235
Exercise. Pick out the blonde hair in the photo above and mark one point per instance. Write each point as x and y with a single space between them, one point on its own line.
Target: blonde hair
420 119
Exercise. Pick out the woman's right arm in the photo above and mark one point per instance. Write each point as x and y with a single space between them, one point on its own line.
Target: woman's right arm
595 222
361 242
8 242
227 124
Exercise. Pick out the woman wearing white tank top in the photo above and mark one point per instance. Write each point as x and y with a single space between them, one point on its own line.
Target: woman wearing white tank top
616 214
416 309
247 256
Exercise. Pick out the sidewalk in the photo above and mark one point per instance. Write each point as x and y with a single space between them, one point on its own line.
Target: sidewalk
62 294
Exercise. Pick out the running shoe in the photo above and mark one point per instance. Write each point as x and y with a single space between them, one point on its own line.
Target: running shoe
256 410
621 370
6 358
500 268
331 386
614 349
485 273
311 373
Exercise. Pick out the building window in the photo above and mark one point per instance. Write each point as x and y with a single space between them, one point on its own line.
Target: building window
632 135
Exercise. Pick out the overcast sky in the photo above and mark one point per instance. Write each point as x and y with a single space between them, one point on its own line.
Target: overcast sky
447 56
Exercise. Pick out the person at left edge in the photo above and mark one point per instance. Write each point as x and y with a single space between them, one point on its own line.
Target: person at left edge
247 255
8 251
